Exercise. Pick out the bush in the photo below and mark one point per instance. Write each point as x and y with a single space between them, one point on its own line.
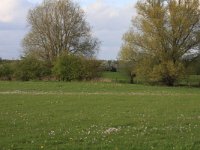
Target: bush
90 69
66 68
154 71
70 67
6 71
109 65
30 68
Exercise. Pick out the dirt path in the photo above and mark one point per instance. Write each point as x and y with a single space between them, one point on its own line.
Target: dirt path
94 93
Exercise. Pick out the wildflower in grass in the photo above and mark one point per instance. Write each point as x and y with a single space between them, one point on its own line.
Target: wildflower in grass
41 147
52 133
111 130
88 132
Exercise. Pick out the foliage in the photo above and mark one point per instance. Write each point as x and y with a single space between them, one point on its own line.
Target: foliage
67 67
166 72
30 68
71 67
194 66
109 65
58 27
6 71
129 57
163 34
90 69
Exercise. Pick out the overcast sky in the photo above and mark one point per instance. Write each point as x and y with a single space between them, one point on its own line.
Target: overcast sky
109 20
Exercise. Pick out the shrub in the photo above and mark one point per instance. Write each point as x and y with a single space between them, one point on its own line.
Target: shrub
6 71
66 67
70 67
90 69
30 68
165 72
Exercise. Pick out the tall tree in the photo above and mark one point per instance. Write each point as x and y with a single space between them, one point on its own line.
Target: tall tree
164 32
58 27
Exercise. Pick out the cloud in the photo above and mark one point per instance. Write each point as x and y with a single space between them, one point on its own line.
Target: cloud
12 26
109 23
13 10
109 20
7 8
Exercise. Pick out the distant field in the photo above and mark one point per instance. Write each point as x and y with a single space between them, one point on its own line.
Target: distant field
89 115
116 77
192 80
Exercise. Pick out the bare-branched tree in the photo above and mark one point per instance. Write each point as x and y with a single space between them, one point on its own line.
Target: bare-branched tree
56 27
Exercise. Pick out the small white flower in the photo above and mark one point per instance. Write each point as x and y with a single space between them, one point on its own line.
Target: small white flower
52 133
88 132
111 130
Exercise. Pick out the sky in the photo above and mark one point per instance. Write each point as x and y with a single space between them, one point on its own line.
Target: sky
109 20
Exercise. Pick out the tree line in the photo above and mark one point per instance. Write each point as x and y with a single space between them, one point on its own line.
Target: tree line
161 46
59 45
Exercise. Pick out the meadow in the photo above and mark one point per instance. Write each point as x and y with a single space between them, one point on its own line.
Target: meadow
120 77
92 115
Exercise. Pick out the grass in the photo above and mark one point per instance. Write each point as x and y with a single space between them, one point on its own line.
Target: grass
116 76
120 77
192 80
87 115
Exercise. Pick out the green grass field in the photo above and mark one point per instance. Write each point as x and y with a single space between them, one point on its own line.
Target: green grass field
89 115
120 77
116 77
192 80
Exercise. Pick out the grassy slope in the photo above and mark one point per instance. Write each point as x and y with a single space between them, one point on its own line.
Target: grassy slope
153 118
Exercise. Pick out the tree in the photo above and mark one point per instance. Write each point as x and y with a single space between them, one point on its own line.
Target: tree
58 27
129 57
70 67
163 33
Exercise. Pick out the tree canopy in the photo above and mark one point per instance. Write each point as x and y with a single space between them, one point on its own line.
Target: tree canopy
58 27
161 36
